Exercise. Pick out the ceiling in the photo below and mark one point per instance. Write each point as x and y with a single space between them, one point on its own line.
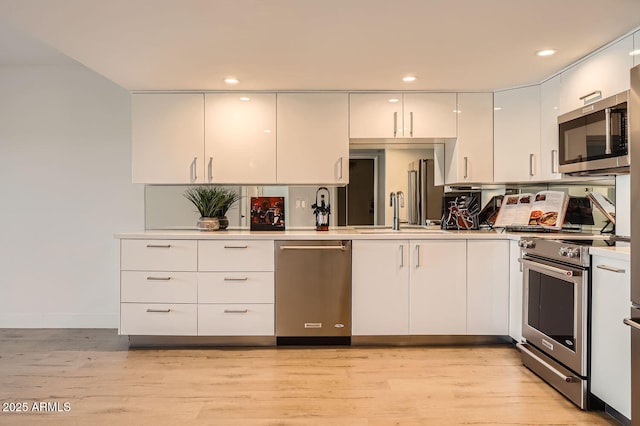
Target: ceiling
461 45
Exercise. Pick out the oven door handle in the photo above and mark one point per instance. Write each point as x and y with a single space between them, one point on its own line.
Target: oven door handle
566 273
555 371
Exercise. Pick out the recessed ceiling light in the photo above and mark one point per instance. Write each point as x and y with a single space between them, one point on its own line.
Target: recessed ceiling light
409 79
497 108
546 52
634 52
244 98
457 111
231 80
393 100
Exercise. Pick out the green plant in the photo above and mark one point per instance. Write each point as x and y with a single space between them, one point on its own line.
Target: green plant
211 201
207 199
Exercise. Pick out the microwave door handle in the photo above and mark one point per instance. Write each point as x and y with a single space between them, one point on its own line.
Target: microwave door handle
607 132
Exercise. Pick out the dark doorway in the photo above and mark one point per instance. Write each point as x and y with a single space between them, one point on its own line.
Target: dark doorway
357 199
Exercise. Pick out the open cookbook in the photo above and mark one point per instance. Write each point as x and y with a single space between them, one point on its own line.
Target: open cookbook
546 209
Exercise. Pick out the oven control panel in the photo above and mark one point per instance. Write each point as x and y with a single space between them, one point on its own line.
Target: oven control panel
526 244
571 253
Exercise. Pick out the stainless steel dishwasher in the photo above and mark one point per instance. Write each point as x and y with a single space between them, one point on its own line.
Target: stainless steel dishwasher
313 292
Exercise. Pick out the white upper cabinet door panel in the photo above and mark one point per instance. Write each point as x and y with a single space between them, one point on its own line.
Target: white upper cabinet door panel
516 145
240 138
373 116
167 144
430 115
549 107
607 72
313 138
636 48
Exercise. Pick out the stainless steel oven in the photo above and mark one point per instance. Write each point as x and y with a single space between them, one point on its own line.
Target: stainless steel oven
555 314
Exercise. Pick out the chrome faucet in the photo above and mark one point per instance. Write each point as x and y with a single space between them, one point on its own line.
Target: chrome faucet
396 200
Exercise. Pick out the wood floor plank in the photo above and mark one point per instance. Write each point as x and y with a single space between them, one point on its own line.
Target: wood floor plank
106 384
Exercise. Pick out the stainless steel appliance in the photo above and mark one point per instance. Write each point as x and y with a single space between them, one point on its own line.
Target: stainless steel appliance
634 320
424 199
313 292
555 313
593 139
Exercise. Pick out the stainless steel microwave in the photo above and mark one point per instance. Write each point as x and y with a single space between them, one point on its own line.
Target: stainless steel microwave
593 139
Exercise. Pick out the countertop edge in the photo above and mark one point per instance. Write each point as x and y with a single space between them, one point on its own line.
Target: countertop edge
619 253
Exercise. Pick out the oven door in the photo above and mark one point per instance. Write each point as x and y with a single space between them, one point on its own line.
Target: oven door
555 311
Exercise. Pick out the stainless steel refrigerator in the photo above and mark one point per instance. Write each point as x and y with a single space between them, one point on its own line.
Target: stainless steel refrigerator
424 199
634 320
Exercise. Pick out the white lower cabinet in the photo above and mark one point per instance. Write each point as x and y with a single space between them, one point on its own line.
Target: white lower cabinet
438 287
237 319
159 319
380 287
488 287
610 338
515 291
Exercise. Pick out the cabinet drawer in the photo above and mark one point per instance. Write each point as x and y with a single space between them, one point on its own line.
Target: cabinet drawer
158 287
235 255
236 319
235 287
158 255
159 319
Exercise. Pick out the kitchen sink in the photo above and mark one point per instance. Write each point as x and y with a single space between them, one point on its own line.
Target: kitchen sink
405 230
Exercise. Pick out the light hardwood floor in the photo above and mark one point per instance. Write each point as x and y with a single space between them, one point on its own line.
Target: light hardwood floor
107 384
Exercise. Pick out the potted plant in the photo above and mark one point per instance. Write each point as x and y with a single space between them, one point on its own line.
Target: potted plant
227 198
208 201
213 203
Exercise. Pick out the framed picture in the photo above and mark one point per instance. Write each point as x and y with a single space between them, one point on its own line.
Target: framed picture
267 214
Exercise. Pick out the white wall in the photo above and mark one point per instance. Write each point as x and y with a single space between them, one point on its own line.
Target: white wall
65 189
623 205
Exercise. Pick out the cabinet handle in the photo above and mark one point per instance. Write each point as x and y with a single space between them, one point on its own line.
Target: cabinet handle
417 255
466 167
607 131
158 278
194 168
588 95
631 323
611 269
532 171
158 245
236 279
554 161
402 255
340 169
162 311
210 168
236 311
411 124
395 123
236 247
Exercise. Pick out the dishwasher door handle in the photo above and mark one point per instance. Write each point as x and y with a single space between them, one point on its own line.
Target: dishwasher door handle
313 247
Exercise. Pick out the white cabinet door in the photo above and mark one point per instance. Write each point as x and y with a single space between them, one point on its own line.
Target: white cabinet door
606 72
636 48
313 138
610 338
438 287
380 287
549 107
167 140
469 158
517 135
429 115
488 287
515 292
373 116
240 138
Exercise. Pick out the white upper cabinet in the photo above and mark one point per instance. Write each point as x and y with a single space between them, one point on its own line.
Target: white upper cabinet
469 159
394 115
636 48
429 115
606 72
240 138
517 135
549 107
167 144
313 138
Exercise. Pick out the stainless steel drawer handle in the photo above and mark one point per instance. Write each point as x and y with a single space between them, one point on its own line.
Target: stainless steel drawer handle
611 269
567 379
631 323
236 311
313 247
164 311
158 278
312 325
236 247
236 279
158 245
